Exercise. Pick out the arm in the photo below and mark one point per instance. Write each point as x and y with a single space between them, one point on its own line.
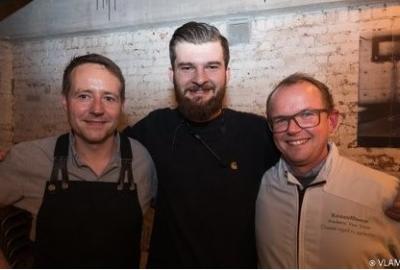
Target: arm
394 210
143 131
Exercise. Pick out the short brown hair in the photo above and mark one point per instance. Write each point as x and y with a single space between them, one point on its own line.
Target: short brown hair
327 98
93 59
197 33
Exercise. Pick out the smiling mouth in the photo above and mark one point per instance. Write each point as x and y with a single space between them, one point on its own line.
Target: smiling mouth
297 142
95 123
199 91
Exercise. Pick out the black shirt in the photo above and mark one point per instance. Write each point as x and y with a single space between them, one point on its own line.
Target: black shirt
207 187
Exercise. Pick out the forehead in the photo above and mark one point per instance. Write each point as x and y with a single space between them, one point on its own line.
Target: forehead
198 53
296 97
94 76
90 69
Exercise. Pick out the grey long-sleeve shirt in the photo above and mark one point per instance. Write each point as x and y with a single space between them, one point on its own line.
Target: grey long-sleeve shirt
27 168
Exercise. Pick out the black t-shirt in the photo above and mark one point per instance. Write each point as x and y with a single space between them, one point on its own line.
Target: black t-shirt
208 180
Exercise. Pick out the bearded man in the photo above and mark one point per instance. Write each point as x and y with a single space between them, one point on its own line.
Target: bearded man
209 161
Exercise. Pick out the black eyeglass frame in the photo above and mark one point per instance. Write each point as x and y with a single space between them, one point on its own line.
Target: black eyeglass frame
293 117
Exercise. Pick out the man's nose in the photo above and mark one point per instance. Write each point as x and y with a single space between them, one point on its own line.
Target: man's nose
97 106
293 126
200 76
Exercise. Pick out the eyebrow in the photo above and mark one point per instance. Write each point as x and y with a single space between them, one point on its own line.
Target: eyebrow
193 64
185 64
214 63
290 115
106 92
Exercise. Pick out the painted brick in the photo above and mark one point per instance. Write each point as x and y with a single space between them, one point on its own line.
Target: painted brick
6 98
323 43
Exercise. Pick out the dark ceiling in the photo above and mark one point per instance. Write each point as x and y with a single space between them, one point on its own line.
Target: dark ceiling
7 7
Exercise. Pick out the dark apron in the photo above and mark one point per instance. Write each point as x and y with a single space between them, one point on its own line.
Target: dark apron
89 224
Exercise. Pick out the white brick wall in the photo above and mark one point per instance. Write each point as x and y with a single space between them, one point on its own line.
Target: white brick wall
323 43
6 100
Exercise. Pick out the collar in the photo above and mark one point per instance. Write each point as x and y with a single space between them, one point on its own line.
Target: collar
76 161
321 171
219 118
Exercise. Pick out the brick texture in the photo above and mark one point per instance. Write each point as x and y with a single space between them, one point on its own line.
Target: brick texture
324 43
6 107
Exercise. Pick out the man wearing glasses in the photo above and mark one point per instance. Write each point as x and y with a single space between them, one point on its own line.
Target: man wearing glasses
315 208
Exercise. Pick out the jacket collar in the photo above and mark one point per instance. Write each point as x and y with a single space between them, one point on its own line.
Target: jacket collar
284 171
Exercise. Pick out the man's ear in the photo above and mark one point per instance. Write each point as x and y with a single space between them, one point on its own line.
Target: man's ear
333 120
123 106
64 102
171 74
228 74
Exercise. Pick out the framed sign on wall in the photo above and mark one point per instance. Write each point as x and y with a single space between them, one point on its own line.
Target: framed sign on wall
379 90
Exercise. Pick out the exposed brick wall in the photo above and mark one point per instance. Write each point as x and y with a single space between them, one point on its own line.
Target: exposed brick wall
323 43
6 100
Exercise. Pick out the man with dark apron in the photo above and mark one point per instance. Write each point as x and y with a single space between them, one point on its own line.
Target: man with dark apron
97 225
87 189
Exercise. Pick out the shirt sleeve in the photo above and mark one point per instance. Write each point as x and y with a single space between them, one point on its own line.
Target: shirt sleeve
24 172
145 175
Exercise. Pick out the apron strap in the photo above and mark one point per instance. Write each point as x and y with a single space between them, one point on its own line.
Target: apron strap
61 157
126 163
60 162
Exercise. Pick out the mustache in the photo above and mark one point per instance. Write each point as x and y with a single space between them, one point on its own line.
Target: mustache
197 87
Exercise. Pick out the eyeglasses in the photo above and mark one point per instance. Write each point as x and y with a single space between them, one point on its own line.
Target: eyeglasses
304 119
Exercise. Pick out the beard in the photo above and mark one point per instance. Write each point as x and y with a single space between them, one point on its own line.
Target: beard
196 110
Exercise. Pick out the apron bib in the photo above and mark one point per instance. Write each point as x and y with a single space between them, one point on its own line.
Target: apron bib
84 224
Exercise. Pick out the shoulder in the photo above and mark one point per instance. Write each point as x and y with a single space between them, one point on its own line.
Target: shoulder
253 132
138 150
41 148
245 117
144 173
248 123
363 173
151 122
363 184
157 115
271 184
28 162
272 175
141 158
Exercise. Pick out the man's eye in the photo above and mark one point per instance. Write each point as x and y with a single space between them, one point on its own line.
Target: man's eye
110 98
83 96
307 114
279 121
213 67
186 68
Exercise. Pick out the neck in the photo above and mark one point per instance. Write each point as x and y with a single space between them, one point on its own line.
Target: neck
305 170
300 171
212 117
215 115
96 155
